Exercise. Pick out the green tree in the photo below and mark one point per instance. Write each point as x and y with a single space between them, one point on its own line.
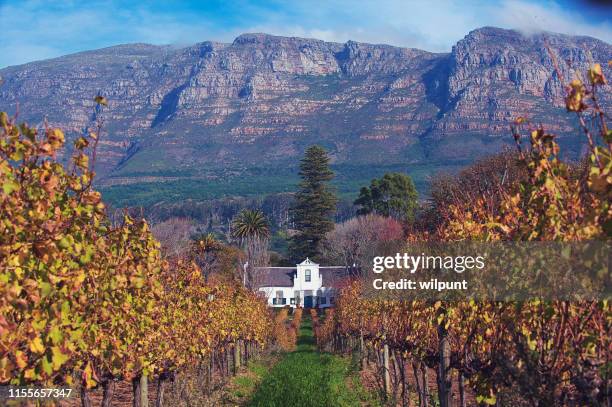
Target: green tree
314 206
393 195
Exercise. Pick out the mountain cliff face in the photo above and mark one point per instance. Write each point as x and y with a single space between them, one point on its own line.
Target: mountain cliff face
246 111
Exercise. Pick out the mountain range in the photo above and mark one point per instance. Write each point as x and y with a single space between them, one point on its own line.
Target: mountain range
215 119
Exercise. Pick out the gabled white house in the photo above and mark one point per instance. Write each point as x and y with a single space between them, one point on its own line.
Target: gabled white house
306 285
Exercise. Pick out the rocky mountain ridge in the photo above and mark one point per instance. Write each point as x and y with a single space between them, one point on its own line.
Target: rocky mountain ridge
246 110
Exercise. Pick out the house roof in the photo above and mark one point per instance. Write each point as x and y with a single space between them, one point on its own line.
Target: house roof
275 276
308 262
330 276
283 276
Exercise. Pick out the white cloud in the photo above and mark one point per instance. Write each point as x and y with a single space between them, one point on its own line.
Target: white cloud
38 30
532 18
436 26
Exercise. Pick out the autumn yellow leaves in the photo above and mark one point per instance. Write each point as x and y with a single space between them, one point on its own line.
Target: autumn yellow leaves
83 299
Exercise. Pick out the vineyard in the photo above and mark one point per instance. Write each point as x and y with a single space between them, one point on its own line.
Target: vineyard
89 302
532 352
86 302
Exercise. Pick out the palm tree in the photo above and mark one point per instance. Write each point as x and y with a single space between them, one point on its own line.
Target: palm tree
207 242
203 252
250 224
251 229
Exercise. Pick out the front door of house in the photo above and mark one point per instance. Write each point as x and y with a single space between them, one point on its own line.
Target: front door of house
308 301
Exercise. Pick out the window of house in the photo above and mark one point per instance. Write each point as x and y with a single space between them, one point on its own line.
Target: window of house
322 300
307 276
296 296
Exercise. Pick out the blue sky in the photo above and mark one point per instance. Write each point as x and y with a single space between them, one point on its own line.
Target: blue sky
33 30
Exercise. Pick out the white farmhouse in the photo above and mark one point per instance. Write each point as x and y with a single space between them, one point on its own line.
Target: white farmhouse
306 285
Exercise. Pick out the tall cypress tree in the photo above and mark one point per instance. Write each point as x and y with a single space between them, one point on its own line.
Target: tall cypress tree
315 204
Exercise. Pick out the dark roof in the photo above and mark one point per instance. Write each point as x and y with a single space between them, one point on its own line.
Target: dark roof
283 276
275 276
332 275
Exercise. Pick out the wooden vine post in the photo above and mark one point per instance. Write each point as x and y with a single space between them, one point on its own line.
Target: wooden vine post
387 376
444 372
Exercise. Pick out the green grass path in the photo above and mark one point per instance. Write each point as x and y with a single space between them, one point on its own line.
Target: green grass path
306 377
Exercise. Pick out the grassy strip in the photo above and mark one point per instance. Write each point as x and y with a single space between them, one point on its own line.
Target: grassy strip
306 377
242 387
